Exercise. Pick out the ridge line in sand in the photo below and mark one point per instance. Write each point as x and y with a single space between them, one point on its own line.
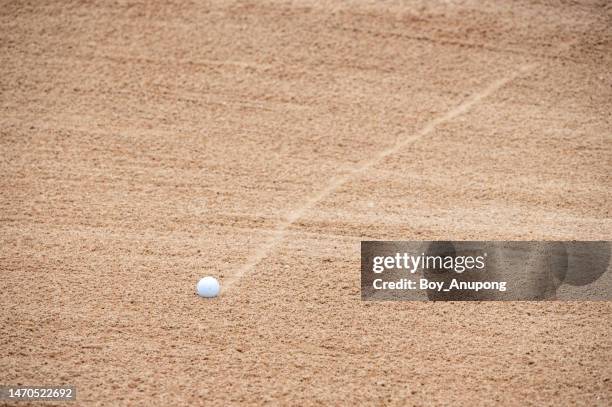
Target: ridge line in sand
353 173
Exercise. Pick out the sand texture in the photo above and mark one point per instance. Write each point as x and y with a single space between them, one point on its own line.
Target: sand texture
144 145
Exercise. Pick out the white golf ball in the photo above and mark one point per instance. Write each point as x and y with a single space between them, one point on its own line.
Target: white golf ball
208 287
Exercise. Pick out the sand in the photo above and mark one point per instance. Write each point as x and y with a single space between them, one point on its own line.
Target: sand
145 145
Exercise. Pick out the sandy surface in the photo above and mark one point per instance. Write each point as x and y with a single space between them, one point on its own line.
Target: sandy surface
146 145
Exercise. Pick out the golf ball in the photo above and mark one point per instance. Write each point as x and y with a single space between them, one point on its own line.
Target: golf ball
208 287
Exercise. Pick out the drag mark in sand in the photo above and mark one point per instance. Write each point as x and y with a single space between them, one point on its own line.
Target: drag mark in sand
353 173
